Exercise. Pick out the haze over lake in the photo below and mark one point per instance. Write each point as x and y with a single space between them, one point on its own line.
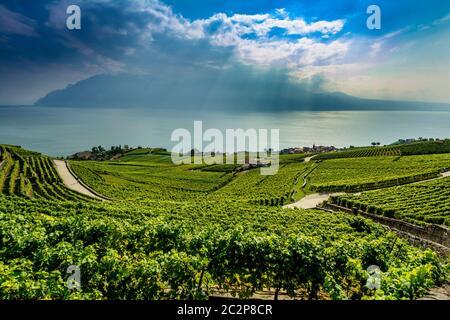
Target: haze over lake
63 131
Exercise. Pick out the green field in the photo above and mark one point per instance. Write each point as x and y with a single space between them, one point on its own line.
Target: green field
190 231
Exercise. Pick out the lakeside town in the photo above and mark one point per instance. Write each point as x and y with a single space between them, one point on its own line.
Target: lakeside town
100 153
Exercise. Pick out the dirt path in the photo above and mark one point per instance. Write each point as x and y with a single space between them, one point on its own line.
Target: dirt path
311 201
308 159
443 175
71 182
441 293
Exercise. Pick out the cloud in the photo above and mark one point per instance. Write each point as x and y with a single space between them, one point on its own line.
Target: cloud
113 31
380 43
376 47
146 36
331 76
442 20
263 24
269 39
16 23
151 37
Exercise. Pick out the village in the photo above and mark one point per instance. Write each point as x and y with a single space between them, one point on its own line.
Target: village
313 149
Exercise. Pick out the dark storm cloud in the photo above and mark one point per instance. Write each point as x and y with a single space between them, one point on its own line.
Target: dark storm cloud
309 41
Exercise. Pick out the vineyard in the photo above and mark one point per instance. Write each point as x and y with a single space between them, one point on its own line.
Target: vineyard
425 148
155 177
31 175
427 202
416 148
360 174
134 182
265 190
361 152
192 250
190 231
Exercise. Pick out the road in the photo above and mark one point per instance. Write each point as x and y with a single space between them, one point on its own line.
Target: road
308 159
313 200
71 181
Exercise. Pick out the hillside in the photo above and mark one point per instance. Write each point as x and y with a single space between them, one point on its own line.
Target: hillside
125 90
415 148
187 232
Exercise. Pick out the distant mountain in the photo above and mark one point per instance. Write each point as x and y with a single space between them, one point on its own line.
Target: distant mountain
208 90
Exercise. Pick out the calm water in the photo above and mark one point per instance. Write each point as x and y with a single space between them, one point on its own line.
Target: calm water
63 131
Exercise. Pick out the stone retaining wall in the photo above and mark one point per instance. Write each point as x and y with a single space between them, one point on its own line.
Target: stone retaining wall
433 236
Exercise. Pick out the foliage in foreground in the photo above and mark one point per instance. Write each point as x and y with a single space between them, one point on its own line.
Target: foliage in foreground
182 251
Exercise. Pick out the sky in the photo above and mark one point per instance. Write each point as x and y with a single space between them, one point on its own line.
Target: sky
321 45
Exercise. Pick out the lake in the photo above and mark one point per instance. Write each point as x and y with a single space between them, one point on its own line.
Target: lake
63 131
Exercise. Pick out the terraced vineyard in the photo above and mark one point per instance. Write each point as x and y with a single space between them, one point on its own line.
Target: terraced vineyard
186 232
361 152
415 148
265 190
164 250
31 175
425 147
359 174
427 202
154 179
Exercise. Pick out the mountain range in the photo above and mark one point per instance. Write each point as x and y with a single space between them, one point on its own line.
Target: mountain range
228 91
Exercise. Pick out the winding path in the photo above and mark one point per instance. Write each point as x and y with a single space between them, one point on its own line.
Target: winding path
72 182
440 293
313 200
308 159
